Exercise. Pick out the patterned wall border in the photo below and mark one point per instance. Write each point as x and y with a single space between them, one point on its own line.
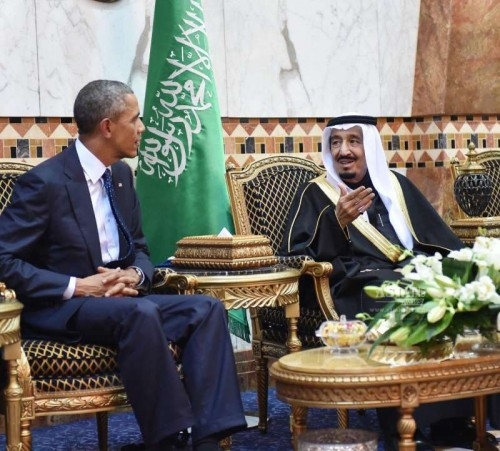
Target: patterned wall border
415 142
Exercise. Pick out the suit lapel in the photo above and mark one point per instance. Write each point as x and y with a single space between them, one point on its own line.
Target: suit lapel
81 205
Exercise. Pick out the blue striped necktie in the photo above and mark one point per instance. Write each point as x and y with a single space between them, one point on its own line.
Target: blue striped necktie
122 228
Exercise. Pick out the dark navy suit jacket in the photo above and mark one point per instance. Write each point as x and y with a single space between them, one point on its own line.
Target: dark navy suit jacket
48 233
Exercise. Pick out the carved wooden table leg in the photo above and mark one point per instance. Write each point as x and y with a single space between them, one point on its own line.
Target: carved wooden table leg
292 313
317 378
406 428
481 443
343 418
298 423
13 393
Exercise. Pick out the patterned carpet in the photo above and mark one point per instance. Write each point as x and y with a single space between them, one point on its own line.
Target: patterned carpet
81 435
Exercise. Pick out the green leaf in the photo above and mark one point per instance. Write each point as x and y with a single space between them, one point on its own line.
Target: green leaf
417 335
456 269
384 337
426 331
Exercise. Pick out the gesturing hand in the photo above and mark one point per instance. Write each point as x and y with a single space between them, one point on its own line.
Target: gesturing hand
352 204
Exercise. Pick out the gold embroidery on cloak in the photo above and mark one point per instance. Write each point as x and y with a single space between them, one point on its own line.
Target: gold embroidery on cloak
391 251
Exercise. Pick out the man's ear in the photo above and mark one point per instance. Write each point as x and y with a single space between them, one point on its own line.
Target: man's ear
105 127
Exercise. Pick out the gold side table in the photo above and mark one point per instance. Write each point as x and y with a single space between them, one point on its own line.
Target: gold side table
10 342
275 286
319 378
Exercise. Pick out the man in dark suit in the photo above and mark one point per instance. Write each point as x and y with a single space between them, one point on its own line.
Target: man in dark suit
83 277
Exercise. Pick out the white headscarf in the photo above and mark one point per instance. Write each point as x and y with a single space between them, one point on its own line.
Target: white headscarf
378 170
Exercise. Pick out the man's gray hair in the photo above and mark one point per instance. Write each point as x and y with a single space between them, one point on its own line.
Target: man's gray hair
98 100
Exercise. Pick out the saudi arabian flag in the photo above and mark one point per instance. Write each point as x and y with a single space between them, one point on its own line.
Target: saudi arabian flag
180 174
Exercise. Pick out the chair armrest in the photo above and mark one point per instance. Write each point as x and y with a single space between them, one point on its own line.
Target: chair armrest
167 281
320 272
294 261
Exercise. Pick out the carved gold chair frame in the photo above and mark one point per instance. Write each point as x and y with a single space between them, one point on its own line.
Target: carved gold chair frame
261 195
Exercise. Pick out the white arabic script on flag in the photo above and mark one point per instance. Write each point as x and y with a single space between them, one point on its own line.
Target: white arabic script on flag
174 119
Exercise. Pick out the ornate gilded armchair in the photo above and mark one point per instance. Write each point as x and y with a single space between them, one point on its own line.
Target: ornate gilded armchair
261 195
58 378
467 227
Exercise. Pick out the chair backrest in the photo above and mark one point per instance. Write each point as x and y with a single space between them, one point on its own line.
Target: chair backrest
262 192
490 160
9 172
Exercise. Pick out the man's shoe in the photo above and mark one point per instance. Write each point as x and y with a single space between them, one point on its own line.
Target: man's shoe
172 442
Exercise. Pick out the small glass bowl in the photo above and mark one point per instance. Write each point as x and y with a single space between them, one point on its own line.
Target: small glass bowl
342 336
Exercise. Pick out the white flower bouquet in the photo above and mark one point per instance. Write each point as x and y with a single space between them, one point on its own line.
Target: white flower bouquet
440 298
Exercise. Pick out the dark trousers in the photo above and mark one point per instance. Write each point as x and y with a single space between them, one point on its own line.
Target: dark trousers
208 400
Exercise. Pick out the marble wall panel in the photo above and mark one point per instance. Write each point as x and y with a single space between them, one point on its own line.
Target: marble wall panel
458 58
473 81
213 11
286 60
82 40
432 57
18 59
397 33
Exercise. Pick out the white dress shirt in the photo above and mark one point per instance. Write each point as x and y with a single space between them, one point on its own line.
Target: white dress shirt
106 223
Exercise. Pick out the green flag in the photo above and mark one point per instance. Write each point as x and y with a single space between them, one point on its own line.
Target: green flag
180 173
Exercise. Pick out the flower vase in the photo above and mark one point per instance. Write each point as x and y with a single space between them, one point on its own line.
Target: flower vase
467 343
394 355
489 341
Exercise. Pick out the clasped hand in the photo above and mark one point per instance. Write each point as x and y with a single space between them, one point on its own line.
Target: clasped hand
352 204
108 282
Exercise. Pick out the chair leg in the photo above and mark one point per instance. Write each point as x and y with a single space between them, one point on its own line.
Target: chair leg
26 438
102 430
225 443
262 388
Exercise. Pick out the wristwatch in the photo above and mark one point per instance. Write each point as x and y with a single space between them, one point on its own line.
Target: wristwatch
140 274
